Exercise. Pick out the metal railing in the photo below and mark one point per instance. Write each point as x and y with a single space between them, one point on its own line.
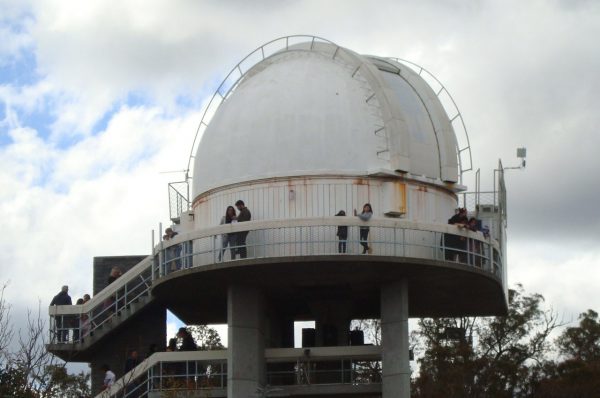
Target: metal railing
319 237
207 370
324 365
273 239
179 193
73 324
173 371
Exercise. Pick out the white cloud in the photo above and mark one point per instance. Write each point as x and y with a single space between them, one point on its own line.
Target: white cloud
567 277
100 197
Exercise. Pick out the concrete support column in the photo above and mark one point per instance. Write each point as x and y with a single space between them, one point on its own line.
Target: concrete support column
246 341
394 336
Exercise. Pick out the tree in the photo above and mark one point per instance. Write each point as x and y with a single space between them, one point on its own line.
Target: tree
447 367
582 342
578 374
368 371
206 338
487 357
27 370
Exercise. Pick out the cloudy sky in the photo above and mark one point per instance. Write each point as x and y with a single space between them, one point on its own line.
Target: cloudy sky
98 99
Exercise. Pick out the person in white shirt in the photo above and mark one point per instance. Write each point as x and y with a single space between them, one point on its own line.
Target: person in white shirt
109 377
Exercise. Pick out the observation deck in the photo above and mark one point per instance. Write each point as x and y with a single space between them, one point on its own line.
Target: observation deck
287 255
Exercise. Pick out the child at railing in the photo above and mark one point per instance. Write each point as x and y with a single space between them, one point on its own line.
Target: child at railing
342 234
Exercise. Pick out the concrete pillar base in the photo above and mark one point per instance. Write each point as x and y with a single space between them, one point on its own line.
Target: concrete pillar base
246 351
394 336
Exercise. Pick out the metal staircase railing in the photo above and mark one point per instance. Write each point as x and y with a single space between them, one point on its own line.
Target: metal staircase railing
285 367
171 371
82 324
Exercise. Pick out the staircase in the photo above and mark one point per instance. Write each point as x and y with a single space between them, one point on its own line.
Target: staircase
76 328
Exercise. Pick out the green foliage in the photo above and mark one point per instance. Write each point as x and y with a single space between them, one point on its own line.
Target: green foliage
490 357
582 342
13 383
206 337
578 375
27 370
64 384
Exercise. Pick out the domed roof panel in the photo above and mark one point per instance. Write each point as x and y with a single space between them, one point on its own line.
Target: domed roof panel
423 144
302 113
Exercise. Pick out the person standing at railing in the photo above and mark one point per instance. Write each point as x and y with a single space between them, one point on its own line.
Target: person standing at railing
62 321
227 240
173 252
455 245
244 215
110 304
367 213
342 234
109 377
76 323
132 361
474 245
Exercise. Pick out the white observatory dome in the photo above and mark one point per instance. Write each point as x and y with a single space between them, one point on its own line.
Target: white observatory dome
319 109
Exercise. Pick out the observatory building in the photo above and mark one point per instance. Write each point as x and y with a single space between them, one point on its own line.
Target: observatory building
300 130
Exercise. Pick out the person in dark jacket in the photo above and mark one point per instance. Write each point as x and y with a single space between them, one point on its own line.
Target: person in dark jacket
456 246
244 215
187 341
62 321
342 234
132 361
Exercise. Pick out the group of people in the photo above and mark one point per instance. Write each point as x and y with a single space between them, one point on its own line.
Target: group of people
80 324
235 241
342 231
460 248
67 322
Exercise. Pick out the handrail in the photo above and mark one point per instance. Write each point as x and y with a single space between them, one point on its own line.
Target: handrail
105 293
317 236
272 355
317 221
156 358
85 319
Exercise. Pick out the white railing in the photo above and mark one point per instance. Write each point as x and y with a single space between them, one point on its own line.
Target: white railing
323 365
318 237
72 324
207 370
166 371
275 239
